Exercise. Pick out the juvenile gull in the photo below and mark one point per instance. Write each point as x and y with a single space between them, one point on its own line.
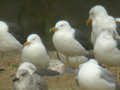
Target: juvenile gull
26 81
27 66
91 76
35 52
69 41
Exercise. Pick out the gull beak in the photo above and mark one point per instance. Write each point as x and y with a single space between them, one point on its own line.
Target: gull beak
53 29
15 79
88 21
26 43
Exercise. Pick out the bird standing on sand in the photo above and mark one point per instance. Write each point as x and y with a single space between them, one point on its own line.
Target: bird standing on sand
69 41
35 52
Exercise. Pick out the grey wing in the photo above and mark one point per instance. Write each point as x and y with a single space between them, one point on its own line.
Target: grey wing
118 43
118 27
107 76
40 83
46 72
83 38
17 32
117 40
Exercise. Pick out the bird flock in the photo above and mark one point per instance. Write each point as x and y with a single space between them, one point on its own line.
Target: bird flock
70 44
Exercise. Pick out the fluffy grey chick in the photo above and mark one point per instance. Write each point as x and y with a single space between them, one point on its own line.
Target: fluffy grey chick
25 81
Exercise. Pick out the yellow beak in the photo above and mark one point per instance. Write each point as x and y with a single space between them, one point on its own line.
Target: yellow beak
26 43
53 29
88 21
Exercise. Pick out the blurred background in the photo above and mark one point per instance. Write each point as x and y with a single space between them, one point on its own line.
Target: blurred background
38 16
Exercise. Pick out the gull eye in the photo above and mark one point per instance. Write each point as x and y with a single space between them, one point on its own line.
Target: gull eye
62 25
33 39
24 74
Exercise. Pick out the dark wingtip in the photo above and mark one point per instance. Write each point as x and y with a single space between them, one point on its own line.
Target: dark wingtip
47 72
2 69
15 79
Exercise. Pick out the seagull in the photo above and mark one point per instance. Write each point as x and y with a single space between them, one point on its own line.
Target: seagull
107 48
69 41
31 68
91 76
101 20
26 81
11 39
35 52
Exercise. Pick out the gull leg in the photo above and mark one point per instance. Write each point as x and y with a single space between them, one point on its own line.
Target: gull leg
1 58
67 61
67 64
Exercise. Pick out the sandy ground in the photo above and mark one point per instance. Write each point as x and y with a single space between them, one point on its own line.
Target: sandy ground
60 82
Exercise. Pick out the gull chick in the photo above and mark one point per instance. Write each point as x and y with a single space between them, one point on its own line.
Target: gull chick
26 81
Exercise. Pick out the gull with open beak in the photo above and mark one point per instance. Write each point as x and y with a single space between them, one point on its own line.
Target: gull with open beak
35 52
69 41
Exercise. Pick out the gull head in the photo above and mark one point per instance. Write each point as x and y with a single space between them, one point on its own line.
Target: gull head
60 25
97 11
32 38
21 75
3 27
28 66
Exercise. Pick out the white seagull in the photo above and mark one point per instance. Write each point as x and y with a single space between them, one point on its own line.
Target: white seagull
11 39
107 48
25 80
35 52
91 76
101 20
69 41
